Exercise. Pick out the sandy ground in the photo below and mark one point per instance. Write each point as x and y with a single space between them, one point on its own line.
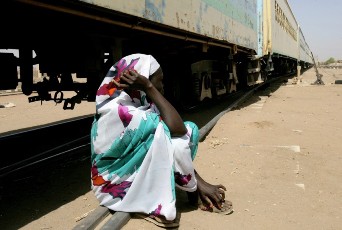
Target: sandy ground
279 156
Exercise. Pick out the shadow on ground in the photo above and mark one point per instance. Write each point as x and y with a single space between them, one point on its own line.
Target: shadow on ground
29 197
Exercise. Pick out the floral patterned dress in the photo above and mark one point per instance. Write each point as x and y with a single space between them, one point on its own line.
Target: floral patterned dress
136 165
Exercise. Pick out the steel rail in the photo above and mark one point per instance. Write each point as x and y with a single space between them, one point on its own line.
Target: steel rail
44 156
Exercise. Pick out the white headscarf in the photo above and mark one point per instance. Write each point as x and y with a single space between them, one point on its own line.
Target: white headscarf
144 64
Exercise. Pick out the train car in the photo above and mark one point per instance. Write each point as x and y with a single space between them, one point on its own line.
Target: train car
209 48
305 54
282 40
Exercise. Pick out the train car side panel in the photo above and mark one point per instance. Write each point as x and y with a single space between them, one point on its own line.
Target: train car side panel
232 21
266 29
304 51
284 29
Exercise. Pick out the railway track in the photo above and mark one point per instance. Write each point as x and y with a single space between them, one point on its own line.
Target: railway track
43 145
48 151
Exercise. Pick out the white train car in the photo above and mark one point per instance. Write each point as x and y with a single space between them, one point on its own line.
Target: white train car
282 40
282 29
305 55
206 47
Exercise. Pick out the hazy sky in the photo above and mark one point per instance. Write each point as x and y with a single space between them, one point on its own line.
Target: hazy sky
321 23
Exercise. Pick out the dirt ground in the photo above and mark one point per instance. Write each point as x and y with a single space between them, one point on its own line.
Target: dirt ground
279 156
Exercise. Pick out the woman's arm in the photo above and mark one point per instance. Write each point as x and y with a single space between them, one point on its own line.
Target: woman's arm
168 113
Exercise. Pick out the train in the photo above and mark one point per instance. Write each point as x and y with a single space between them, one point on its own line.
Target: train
207 48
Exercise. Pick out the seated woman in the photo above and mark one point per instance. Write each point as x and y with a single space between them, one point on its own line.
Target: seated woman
141 148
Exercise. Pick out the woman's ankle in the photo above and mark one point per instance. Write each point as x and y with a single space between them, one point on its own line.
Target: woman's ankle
193 197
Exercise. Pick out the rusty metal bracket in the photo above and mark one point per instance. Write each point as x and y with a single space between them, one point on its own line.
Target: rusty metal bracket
318 75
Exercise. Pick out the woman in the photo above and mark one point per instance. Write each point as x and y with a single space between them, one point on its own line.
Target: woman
141 148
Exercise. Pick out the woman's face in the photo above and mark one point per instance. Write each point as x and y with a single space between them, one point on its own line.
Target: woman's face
157 80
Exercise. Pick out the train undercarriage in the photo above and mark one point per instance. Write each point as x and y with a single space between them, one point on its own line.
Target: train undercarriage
61 49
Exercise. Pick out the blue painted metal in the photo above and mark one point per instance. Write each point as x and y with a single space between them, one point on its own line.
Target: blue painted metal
233 21
260 28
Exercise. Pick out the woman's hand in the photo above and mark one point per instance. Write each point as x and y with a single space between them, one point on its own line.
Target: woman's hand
130 79
210 194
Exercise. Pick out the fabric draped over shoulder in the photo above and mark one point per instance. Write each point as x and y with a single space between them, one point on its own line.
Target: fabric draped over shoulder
136 164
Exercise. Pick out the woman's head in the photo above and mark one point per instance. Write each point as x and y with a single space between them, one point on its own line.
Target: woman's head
145 65
157 80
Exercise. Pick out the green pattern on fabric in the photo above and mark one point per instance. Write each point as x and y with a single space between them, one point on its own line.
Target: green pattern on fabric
173 184
127 153
93 135
193 139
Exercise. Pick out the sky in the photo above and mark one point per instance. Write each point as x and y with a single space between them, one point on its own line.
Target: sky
321 24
